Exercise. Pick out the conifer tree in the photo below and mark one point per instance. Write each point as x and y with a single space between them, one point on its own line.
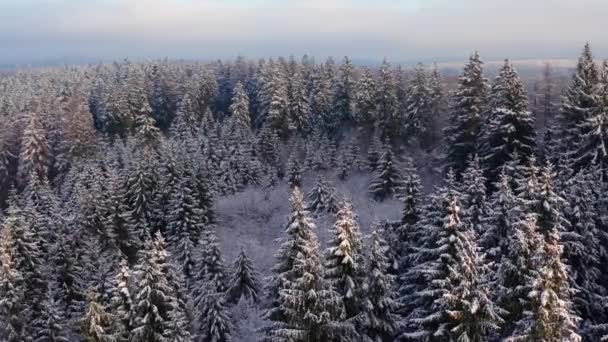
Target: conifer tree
387 178
474 196
466 108
121 302
419 111
374 152
240 107
453 302
97 322
379 321
153 300
299 107
365 103
322 197
344 93
405 235
243 283
34 156
578 104
593 129
292 314
386 103
583 247
294 172
14 311
344 260
509 124
550 316
50 326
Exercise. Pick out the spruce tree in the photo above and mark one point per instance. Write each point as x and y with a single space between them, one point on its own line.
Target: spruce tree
453 302
292 314
593 129
418 108
240 107
374 152
243 283
344 260
404 240
550 316
121 302
474 192
386 103
294 172
509 126
34 156
466 109
387 178
365 100
14 311
578 105
322 197
378 321
51 325
153 300
97 322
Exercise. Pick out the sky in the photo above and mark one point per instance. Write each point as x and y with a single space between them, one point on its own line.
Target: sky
366 30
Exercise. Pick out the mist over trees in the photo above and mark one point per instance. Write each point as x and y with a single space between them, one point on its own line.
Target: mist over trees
298 200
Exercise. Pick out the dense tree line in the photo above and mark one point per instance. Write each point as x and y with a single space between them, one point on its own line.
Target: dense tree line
109 173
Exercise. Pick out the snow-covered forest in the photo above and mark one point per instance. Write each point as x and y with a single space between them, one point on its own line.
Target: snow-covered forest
303 201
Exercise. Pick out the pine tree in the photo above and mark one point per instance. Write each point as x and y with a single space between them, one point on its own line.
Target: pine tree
583 247
517 268
578 104
387 178
97 323
185 224
121 302
344 260
34 156
294 172
322 197
402 243
209 292
550 316
509 124
386 103
504 214
292 314
299 107
592 149
374 152
365 103
474 191
216 325
153 300
453 302
240 107
344 93
467 105
243 283
14 311
418 112
50 326
379 321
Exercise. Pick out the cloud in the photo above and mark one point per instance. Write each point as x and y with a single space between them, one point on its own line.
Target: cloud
401 30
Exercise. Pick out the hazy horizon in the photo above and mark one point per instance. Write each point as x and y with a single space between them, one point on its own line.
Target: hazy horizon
39 31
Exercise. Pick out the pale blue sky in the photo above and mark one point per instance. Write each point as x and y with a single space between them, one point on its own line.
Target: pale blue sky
402 30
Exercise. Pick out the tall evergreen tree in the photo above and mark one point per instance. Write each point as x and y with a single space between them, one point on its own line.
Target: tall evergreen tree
387 178
578 104
509 124
153 300
34 156
454 302
466 108
344 260
243 283
240 107
379 321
